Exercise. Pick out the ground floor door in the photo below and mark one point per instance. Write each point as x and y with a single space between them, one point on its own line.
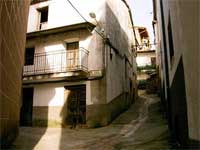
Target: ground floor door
26 108
76 101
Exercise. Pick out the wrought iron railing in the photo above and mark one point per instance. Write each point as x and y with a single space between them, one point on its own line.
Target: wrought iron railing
58 62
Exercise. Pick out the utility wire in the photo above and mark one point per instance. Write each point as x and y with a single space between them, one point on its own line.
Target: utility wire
102 36
77 10
84 18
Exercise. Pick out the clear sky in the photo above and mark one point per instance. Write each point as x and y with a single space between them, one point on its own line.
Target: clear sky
142 11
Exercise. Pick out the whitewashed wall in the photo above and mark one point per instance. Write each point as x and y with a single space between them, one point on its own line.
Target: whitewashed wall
48 95
52 94
61 12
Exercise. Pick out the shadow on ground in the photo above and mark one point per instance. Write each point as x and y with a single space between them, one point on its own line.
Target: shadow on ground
140 127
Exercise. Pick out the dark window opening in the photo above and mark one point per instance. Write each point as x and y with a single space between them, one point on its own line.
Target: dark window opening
43 15
72 46
29 56
170 38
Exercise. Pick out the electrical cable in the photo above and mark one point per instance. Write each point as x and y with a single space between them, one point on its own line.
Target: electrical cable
84 18
102 36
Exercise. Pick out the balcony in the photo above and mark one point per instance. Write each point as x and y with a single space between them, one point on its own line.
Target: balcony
55 62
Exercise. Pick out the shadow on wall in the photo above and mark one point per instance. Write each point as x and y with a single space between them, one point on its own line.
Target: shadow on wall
39 118
69 108
34 115
178 115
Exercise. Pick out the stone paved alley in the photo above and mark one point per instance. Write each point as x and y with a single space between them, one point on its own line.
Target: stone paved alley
141 127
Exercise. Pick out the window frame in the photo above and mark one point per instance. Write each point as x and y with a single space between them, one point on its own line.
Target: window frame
40 12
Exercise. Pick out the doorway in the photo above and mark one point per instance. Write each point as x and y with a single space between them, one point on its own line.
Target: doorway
27 107
72 55
76 102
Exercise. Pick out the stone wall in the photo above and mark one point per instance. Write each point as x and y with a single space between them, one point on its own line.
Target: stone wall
13 19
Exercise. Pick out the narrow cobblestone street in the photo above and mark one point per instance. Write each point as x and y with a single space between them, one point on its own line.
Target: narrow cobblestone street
140 127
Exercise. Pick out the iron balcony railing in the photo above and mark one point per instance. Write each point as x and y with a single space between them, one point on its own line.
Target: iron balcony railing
58 62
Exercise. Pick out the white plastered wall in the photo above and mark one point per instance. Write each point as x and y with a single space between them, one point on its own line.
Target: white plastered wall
52 94
61 13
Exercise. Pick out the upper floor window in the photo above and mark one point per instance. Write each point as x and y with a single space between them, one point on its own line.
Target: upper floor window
29 56
43 17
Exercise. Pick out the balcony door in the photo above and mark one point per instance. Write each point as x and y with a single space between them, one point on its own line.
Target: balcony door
72 55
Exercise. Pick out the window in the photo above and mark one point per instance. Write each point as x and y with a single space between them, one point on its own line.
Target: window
43 14
29 56
170 39
43 17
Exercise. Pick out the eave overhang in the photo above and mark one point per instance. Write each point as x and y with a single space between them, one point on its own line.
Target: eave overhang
85 25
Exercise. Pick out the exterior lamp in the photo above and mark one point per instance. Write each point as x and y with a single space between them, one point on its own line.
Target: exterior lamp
92 15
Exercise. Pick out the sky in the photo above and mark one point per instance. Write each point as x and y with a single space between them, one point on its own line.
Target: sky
142 11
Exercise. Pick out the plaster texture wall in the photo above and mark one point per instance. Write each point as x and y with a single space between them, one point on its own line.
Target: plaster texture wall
61 13
185 23
50 101
118 28
144 59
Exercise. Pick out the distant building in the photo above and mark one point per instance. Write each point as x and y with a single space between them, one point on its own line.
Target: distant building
176 25
79 58
146 54
13 19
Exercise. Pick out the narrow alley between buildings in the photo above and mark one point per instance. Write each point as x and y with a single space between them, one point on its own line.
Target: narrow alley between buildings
142 126
99 75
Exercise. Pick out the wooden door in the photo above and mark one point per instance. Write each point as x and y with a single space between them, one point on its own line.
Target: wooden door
76 104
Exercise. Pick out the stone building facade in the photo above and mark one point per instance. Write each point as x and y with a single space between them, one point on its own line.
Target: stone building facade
78 53
176 25
146 54
13 26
